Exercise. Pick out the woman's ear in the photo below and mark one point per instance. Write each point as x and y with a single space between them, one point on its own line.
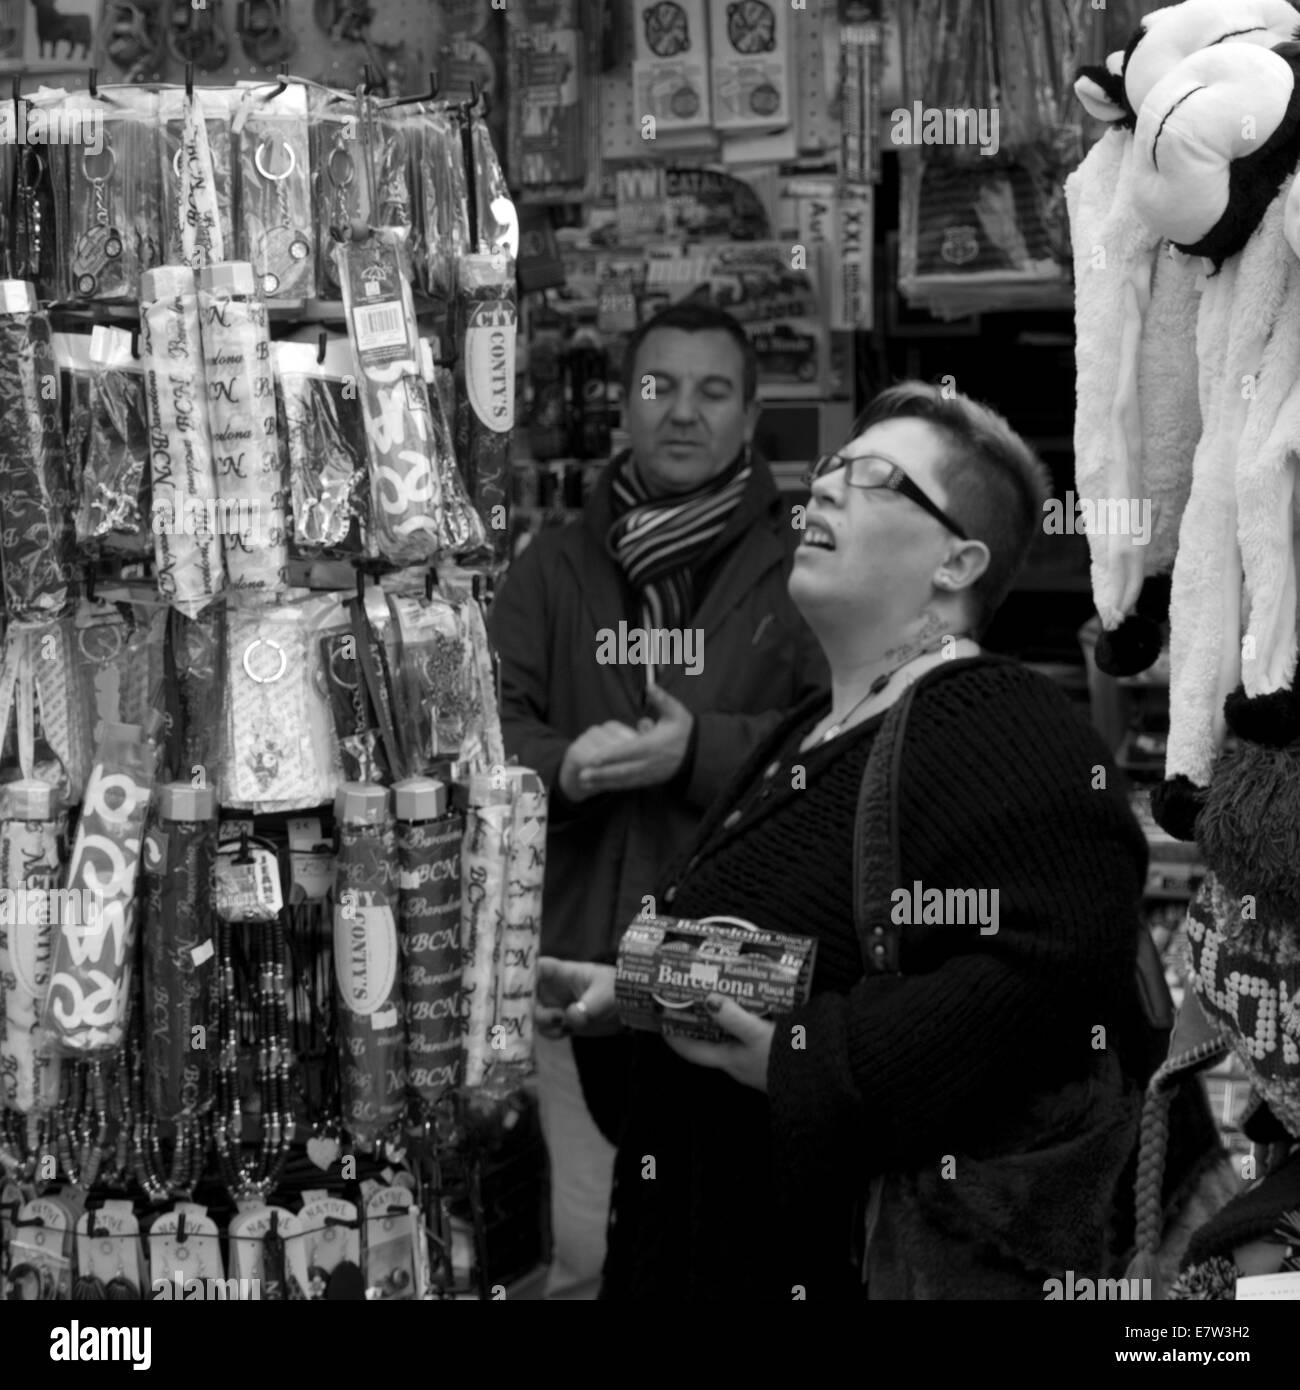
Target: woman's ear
963 567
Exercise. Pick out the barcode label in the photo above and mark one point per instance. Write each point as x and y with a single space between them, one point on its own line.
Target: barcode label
378 326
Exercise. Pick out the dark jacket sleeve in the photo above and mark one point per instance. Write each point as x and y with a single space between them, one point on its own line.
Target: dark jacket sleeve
722 742
904 1067
519 628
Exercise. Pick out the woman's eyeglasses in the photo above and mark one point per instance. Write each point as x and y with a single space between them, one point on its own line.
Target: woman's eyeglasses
871 471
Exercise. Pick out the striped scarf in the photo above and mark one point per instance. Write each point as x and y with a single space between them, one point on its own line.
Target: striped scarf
658 541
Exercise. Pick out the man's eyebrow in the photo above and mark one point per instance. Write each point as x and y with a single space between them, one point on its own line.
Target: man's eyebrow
713 379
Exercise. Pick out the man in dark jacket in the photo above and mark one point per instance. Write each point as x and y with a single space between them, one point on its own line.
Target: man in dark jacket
644 654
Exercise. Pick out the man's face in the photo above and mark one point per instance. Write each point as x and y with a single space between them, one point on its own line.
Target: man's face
695 419
870 556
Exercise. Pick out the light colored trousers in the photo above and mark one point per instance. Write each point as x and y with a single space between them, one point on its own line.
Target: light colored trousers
582 1173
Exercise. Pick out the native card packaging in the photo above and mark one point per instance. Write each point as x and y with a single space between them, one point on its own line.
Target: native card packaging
668 967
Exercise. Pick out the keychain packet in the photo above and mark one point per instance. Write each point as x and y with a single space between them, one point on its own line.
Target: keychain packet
108 439
108 196
326 445
444 223
340 181
197 180
274 214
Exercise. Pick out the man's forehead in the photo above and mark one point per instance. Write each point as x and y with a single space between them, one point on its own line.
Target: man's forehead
710 352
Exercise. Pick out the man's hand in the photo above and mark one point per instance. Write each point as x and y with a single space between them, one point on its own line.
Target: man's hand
744 1059
650 757
585 752
574 996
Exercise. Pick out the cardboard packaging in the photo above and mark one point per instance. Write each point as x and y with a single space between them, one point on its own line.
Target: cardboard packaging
753 68
668 967
670 73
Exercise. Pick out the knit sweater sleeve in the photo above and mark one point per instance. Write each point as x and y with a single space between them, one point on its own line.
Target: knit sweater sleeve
1002 790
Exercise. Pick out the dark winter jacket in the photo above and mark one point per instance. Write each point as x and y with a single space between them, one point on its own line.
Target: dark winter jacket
977 1090
759 659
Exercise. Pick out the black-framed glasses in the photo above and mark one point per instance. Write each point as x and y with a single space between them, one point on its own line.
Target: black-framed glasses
872 471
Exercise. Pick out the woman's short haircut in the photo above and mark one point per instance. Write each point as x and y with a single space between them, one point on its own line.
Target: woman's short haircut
996 483
695 316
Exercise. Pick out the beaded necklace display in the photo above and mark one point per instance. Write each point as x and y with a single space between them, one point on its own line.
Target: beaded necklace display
83 1116
269 1016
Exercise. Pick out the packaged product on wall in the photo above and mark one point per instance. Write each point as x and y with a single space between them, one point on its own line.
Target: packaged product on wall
280 751
367 963
244 426
275 226
107 440
670 73
91 963
36 558
179 956
429 837
196 170
188 554
405 481
752 65
548 90
444 203
29 868
325 435
522 930
339 160
486 324
485 860
108 195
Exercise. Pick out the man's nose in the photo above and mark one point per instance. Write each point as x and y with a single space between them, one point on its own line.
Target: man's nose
685 405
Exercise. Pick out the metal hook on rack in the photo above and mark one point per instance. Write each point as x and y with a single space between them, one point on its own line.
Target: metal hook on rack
282 85
92 83
430 95
322 339
135 344
189 80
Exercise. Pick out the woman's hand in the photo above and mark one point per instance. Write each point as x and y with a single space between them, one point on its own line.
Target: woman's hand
744 1058
574 996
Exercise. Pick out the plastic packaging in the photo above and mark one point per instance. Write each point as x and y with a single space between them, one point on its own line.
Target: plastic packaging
36 556
90 973
187 549
326 443
244 427
367 968
108 439
486 325
394 396
179 955
428 849
274 215
484 865
29 867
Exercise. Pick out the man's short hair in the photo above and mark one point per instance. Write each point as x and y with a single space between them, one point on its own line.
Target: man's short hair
694 316
996 483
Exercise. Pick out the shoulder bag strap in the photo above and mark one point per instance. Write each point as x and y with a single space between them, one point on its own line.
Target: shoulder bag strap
878 796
